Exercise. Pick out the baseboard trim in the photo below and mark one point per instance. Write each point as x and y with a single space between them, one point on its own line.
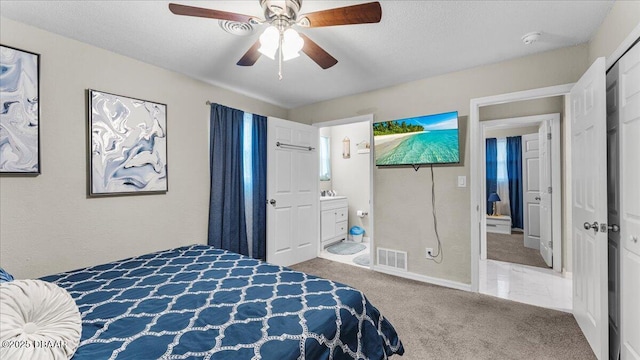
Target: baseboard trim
423 278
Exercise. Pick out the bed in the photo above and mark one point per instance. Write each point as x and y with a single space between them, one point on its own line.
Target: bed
199 302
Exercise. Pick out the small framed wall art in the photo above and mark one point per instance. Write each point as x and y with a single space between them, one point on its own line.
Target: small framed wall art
128 145
19 111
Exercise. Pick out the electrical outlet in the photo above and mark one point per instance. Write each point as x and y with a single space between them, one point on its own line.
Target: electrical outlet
429 254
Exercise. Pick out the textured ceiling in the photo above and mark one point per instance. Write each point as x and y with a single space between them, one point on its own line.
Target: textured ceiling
414 40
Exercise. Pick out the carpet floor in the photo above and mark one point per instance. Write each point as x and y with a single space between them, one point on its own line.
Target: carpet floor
441 323
510 248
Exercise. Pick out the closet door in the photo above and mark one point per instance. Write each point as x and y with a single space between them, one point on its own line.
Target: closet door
629 79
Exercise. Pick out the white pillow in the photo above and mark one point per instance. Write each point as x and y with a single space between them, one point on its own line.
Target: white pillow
38 320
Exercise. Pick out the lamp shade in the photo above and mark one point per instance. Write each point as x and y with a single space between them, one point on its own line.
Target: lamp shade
292 43
493 197
269 42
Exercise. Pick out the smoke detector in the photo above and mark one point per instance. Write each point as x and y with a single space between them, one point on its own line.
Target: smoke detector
531 37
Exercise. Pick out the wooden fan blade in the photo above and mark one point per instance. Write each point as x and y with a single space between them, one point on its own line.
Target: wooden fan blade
317 54
251 56
349 15
207 13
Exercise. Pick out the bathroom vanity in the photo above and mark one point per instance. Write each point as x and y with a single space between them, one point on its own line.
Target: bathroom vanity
334 219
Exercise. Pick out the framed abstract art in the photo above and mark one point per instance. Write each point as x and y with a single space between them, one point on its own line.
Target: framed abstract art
128 145
19 111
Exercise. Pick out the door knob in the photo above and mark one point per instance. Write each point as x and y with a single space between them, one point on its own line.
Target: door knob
272 202
538 198
593 226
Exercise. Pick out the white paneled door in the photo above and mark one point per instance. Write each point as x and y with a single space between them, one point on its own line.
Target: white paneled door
589 205
531 190
629 112
292 192
546 245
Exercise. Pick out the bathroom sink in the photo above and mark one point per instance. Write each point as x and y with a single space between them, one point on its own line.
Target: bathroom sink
323 198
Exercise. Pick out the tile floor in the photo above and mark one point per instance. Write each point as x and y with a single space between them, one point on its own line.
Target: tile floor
526 284
345 259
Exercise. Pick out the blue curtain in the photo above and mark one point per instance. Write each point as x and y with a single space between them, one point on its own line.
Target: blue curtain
514 171
227 222
259 177
492 171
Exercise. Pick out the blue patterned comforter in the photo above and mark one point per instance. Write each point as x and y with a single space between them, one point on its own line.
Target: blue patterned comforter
198 302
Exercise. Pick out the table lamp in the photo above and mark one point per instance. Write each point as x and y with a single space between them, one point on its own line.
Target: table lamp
493 197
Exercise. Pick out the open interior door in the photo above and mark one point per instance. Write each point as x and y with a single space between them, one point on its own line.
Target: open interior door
589 205
531 190
629 80
546 245
292 192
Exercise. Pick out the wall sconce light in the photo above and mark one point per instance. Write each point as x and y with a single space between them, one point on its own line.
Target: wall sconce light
346 148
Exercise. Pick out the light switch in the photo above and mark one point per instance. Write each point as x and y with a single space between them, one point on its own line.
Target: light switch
462 181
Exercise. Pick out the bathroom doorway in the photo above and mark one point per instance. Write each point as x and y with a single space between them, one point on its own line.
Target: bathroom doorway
346 225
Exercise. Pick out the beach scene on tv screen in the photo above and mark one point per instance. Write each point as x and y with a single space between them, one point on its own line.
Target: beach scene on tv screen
430 139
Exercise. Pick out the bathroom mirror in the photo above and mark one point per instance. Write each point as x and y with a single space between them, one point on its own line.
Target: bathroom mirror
325 158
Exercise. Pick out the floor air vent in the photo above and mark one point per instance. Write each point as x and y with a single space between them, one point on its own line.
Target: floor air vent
392 258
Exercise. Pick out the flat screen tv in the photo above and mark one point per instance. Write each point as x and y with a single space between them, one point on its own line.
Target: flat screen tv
429 139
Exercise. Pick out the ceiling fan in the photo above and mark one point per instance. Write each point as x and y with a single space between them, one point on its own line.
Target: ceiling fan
280 38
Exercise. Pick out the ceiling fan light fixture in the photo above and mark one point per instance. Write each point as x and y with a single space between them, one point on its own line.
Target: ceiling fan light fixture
292 43
281 15
269 42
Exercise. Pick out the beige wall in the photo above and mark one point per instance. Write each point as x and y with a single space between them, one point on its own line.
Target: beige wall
47 223
351 176
402 196
621 20
503 133
549 105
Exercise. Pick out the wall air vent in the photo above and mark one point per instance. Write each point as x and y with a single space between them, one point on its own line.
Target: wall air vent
392 258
